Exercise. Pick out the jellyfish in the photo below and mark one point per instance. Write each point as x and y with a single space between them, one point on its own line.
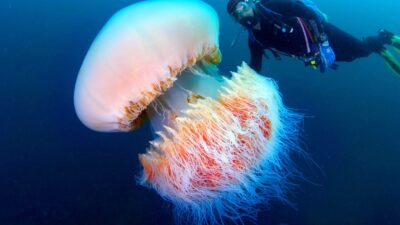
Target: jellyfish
223 144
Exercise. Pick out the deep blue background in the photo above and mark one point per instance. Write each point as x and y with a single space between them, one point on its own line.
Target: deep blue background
54 171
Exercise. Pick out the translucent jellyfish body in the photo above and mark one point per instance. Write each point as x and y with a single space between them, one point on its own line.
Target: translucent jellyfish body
223 144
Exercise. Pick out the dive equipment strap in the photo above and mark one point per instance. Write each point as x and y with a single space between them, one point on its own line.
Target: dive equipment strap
274 18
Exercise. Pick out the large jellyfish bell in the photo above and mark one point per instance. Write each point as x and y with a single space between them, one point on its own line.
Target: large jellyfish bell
138 55
222 144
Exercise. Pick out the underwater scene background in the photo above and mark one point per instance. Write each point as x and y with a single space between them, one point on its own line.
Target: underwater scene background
53 170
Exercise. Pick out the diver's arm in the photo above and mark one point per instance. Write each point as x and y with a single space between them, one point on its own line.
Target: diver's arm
256 55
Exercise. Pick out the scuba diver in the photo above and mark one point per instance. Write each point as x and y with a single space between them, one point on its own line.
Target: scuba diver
297 28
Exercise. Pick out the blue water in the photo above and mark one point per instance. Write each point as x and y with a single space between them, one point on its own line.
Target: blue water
54 171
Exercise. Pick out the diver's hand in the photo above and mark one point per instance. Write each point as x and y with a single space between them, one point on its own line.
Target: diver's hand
326 56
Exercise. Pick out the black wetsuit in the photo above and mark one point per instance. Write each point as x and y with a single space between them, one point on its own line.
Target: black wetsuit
269 36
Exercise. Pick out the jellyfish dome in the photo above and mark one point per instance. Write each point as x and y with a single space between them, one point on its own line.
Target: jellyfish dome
137 55
222 147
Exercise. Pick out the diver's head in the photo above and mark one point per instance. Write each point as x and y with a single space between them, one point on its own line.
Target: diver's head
242 11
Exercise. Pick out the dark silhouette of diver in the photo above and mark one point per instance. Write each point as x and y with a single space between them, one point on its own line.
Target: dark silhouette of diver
297 28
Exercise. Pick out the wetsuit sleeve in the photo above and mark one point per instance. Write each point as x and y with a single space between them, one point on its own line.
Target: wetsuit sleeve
256 55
